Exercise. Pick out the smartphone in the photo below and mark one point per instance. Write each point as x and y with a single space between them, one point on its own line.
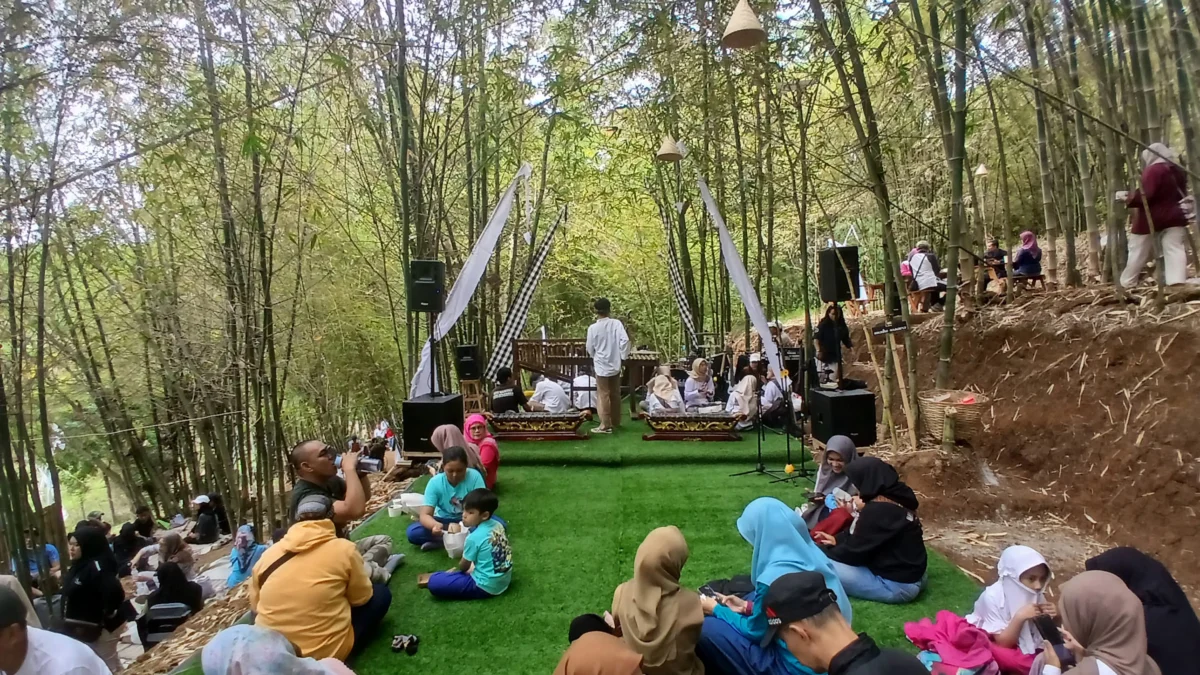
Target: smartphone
708 590
1045 626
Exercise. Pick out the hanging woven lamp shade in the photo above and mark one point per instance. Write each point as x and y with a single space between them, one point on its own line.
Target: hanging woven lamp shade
744 29
668 152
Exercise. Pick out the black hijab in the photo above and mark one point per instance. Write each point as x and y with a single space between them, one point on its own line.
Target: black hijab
1172 629
876 478
173 586
91 588
126 544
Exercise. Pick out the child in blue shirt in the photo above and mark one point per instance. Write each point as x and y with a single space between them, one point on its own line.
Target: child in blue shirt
486 566
444 499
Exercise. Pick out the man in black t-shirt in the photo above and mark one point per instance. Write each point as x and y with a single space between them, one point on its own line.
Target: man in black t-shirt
508 396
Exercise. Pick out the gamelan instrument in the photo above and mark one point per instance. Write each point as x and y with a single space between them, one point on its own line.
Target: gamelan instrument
539 426
692 426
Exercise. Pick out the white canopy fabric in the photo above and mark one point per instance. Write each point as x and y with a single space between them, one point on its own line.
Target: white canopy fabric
741 280
468 279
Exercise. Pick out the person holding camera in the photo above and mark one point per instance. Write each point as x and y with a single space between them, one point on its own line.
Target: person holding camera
316 468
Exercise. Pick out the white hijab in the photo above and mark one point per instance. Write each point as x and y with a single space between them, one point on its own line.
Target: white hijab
998 603
1159 152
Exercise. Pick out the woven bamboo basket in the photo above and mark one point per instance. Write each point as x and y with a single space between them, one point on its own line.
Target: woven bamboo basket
969 416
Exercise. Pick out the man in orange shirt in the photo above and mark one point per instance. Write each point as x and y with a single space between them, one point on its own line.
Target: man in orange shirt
322 601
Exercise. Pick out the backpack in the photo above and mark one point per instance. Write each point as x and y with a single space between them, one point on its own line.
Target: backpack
905 269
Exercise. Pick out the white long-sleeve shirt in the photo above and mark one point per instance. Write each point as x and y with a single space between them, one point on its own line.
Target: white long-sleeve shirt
608 345
697 393
583 391
551 394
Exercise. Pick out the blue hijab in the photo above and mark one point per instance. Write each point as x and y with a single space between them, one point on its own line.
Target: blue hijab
782 545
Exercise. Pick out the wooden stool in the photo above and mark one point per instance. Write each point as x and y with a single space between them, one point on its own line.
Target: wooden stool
918 301
1031 282
472 395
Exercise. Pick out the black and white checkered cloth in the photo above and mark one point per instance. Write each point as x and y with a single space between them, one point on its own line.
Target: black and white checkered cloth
518 311
685 310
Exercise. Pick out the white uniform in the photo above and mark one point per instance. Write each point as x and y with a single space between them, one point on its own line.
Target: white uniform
583 391
550 394
608 345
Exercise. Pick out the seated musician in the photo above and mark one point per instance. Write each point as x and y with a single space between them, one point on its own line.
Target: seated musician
549 397
776 396
662 395
699 389
583 390
507 397
743 398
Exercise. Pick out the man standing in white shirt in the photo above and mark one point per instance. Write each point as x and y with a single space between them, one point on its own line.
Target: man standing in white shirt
608 345
549 397
25 650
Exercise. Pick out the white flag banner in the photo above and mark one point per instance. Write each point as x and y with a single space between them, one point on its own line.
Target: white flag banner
741 280
468 279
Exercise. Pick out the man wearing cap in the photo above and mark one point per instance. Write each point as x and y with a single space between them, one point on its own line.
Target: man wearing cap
803 612
311 587
205 531
26 650
782 339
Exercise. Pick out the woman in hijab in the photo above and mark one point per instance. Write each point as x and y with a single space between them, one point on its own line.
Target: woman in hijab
1104 628
93 596
731 638
1156 208
882 557
246 551
1171 624
831 334
126 545
480 440
595 650
450 436
743 400
1028 260
1006 609
657 618
662 393
699 389
839 452
173 586
254 650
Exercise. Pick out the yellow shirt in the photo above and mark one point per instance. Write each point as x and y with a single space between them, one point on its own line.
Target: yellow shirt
308 598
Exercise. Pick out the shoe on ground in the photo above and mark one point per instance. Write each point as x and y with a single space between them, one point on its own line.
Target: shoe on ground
602 430
393 562
431 546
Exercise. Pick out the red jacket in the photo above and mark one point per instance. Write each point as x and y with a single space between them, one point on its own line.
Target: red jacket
1163 185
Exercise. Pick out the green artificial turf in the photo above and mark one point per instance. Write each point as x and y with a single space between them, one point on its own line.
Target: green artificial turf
574 529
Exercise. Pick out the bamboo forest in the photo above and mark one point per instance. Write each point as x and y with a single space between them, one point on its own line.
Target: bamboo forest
211 207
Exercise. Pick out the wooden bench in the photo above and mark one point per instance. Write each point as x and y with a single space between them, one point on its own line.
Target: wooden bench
1030 282
919 301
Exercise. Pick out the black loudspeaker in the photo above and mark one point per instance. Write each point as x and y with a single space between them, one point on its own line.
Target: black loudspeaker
466 362
832 276
425 413
843 413
426 286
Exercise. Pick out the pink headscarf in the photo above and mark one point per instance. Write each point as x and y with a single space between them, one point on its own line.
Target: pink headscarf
487 448
1029 242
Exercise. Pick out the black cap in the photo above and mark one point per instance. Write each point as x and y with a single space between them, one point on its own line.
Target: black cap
795 597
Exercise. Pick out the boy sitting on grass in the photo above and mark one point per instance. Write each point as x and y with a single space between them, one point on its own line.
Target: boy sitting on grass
486 566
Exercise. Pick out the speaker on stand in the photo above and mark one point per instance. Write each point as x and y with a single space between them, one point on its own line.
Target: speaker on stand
832 283
466 362
426 286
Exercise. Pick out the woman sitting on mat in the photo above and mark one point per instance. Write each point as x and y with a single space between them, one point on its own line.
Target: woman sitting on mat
444 497
825 512
731 638
1171 624
480 440
450 436
882 557
1103 627
657 618
662 394
743 399
699 389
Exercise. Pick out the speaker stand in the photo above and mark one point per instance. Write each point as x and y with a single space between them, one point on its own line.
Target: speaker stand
433 345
